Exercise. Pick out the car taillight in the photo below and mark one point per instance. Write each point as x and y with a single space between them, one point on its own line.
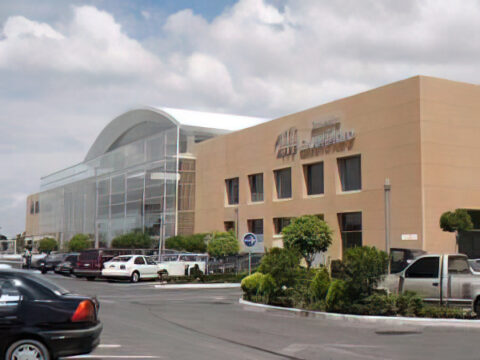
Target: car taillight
85 312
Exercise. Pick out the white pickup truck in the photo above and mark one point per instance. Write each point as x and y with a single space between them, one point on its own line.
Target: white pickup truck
438 279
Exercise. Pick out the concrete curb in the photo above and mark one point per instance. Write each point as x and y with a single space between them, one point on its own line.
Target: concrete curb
199 286
379 320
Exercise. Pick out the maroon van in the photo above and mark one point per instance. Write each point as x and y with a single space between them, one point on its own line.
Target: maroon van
90 262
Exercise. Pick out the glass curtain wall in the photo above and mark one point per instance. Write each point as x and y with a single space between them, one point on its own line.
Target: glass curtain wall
133 187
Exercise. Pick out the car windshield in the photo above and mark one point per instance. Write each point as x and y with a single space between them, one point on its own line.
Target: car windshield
121 259
57 289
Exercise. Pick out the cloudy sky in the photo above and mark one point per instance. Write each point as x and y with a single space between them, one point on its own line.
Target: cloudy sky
68 67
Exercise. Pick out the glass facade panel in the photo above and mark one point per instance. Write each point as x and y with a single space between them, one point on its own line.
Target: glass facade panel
256 187
283 183
131 187
350 170
232 191
314 178
351 229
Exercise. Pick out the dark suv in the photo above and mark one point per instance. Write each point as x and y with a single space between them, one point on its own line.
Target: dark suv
40 320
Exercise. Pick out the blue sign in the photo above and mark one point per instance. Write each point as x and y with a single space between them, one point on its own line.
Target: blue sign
249 239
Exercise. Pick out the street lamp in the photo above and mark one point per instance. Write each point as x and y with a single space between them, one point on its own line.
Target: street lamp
387 188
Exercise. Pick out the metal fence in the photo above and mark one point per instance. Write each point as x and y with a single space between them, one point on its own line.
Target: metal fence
233 264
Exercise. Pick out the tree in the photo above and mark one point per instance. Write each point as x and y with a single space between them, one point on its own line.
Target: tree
222 244
195 243
48 245
362 269
133 240
282 264
80 242
308 235
458 220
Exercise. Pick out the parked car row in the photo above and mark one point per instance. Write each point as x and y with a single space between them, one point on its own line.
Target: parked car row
122 264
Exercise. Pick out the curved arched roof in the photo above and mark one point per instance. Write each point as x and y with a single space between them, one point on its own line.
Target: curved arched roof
136 124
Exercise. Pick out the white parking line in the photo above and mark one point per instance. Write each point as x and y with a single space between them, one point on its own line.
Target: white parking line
108 346
114 357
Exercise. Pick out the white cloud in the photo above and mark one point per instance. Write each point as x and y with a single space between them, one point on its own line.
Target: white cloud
63 81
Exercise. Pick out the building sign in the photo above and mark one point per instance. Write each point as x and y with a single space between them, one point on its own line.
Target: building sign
326 136
286 143
409 237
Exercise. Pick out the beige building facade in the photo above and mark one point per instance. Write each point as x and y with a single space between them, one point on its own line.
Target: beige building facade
333 160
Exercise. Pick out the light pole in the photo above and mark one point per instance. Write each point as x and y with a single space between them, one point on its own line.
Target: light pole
387 188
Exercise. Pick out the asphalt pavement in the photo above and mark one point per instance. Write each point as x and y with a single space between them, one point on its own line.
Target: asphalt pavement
144 322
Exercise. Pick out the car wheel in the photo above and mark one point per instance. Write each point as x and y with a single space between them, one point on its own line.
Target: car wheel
27 349
135 277
90 278
44 271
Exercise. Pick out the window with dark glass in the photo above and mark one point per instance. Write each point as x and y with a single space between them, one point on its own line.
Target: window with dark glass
256 187
350 170
280 223
37 207
351 229
255 226
32 207
314 178
283 183
232 191
424 268
229 225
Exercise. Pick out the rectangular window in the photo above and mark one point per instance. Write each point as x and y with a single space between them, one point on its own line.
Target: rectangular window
283 183
255 226
351 229
350 170
256 187
280 223
37 207
232 191
229 225
314 178
32 207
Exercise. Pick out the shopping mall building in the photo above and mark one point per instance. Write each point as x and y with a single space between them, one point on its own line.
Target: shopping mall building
172 172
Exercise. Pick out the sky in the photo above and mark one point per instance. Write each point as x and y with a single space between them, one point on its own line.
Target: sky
67 68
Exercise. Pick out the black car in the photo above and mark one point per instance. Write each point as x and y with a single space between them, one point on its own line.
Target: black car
67 265
49 262
40 320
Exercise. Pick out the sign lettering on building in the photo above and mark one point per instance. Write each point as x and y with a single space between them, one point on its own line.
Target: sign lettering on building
286 143
325 136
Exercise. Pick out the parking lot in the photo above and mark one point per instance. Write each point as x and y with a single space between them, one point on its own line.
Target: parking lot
145 322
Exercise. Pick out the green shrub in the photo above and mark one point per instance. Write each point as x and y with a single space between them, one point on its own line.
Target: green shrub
47 245
222 244
363 267
375 304
336 299
409 304
282 264
195 243
251 284
319 285
79 242
267 287
430 311
133 240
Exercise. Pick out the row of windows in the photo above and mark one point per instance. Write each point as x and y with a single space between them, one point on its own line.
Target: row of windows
34 207
350 227
349 170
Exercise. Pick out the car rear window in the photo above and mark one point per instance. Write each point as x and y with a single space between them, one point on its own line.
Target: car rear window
50 285
121 259
89 255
